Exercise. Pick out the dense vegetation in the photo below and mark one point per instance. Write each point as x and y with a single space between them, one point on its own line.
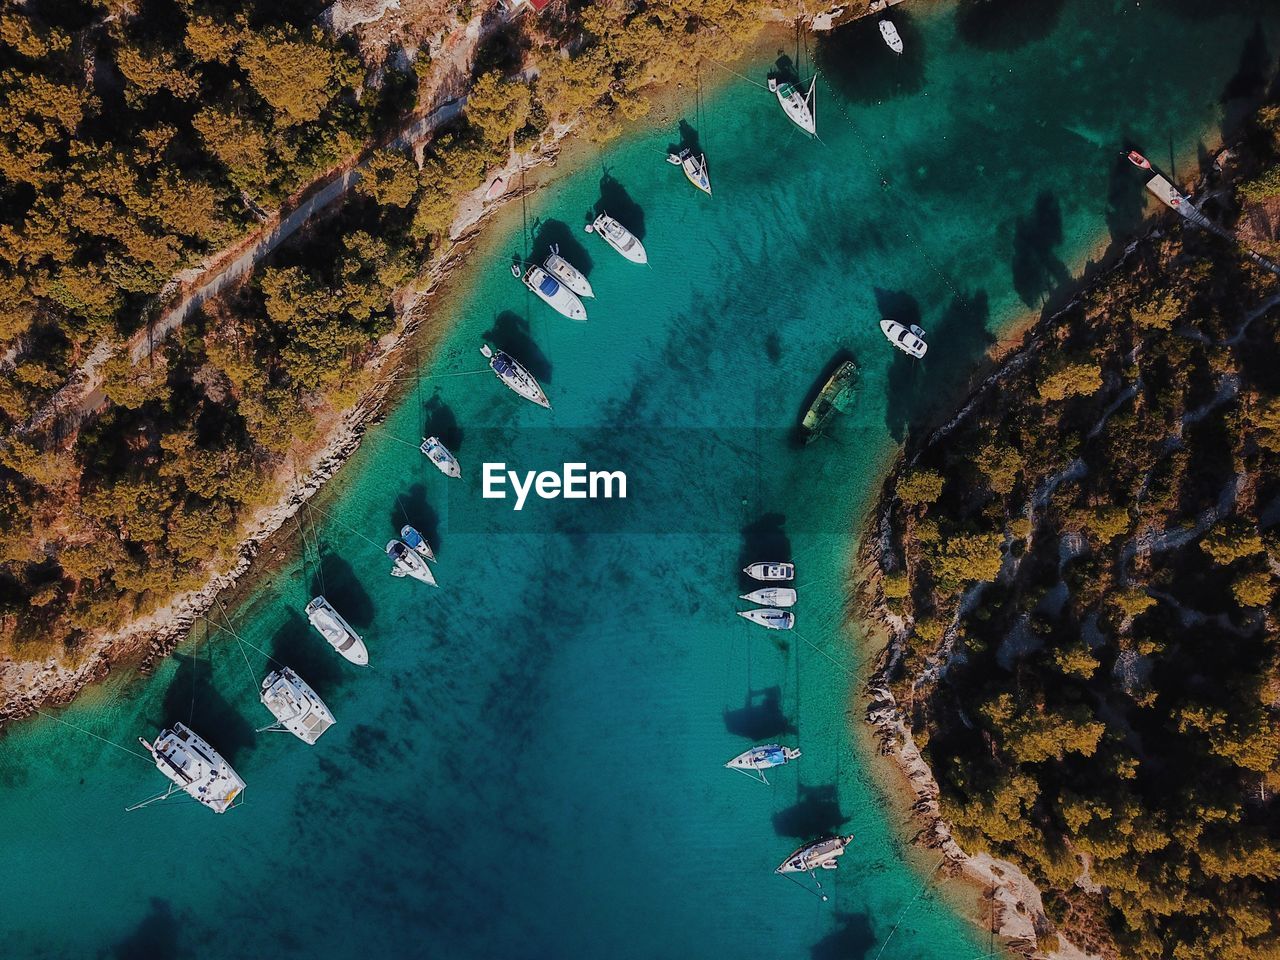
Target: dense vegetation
1083 574
139 139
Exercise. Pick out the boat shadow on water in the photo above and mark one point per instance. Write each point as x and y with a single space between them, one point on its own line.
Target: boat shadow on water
785 70
336 581
852 939
688 139
860 68
1006 24
760 717
413 507
510 334
763 539
193 696
549 234
816 812
156 937
619 204
295 644
439 420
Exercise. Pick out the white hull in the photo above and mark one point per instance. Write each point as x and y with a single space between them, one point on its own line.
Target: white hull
515 376
892 38
694 167
770 618
819 855
555 294
798 107
439 454
417 541
764 757
619 237
767 571
195 768
771 597
568 274
903 338
406 562
334 628
295 705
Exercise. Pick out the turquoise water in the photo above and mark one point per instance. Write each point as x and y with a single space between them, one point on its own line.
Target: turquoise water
531 765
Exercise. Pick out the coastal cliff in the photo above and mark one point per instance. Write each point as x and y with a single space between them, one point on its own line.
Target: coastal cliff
1075 578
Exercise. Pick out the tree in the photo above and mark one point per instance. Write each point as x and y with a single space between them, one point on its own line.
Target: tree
918 487
297 75
498 108
1071 380
390 178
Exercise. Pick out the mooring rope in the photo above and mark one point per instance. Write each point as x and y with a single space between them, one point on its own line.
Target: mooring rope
110 743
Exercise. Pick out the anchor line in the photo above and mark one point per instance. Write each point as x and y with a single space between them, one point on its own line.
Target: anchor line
253 677
316 539
348 528
902 915
814 893
742 76
842 666
110 743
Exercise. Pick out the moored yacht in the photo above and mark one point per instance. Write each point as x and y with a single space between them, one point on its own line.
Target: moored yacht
568 274
514 375
763 757
910 340
334 628
619 237
770 618
195 768
296 707
766 571
440 455
796 105
771 597
818 854
406 562
892 38
416 541
554 293
694 166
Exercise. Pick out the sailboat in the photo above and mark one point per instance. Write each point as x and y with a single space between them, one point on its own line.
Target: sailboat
334 628
619 237
767 571
514 375
194 767
694 166
553 292
797 106
406 562
296 707
892 38
568 274
416 541
771 597
910 340
758 759
439 454
815 855
770 618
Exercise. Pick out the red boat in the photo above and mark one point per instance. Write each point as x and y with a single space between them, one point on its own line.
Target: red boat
1139 161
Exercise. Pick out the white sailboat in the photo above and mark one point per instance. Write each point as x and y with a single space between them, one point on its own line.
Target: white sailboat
816 855
796 105
568 274
766 571
416 541
406 562
619 237
892 38
771 597
334 628
296 707
514 375
694 167
194 767
770 618
757 760
440 455
910 340
553 292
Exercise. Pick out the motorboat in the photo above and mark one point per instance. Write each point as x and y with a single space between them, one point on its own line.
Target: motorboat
511 372
892 38
439 454
771 597
796 105
334 628
416 541
694 166
568 274
835 397
910 340
195 768
296 707
407 562
816 855
767 571
619 237
770 618
553 293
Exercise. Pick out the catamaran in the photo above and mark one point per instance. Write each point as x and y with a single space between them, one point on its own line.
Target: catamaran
818 854
416 541
439 454
694 166
553 293
195 768
834 397
757 760
770 618
406 562
296 707
515 376
619 237
796 105
771 597
910 340
334 628
568 274
891 36
767 571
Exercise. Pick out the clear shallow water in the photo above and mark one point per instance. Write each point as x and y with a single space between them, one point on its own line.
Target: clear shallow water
531 766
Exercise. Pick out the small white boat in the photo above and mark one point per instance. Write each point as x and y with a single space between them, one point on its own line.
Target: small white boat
407 562
554 293
195 768
334 628
416 541
796 105
568 274
619 237
910 340
755 761
514 375
892 38
296 707
695 168
816 855
771 597
766 571
770 618
439 454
